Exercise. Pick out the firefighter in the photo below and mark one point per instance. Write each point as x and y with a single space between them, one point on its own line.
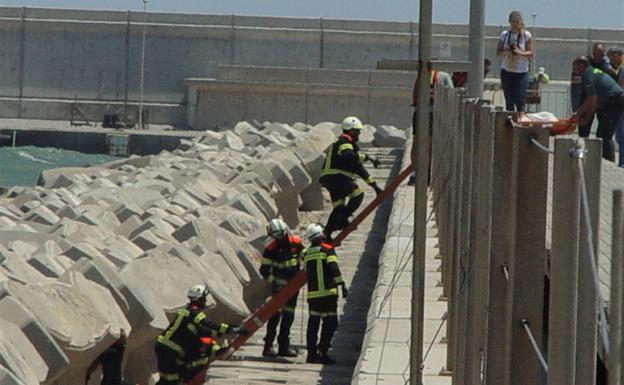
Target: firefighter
194 364
281 260
180 343
343 163
321 265
111 360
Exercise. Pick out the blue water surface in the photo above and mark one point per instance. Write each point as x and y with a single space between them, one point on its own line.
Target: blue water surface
22 165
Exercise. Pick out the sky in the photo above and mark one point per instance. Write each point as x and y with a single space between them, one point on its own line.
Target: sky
552 13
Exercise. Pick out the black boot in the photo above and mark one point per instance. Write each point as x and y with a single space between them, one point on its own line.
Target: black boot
313 357
268 350
287 351
325 359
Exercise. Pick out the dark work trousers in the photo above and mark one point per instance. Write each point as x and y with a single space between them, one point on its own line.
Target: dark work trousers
577 97
515 86
324 309
346 197
608 119
170 366
111 361
287 316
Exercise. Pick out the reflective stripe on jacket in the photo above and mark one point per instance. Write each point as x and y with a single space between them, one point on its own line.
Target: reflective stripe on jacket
321 265
190 324
281 259
344 158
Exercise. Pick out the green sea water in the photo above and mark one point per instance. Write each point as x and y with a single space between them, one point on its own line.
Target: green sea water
22 165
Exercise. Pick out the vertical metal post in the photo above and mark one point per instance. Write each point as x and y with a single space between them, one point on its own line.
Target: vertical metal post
142 64
586 345
476 48
460 173
564 265
614 363
464 268
533 57
503 240
482 201
22 62
420 161
127 68
322 48
527 268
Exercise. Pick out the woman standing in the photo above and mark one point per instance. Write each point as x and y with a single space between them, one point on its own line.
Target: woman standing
516 49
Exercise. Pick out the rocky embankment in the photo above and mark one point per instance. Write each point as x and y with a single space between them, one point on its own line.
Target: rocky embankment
91 251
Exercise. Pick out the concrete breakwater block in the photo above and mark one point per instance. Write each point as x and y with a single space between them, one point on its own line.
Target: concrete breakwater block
157 277
389 136
8 378
133 234
55 360
20 356
367 137
79 328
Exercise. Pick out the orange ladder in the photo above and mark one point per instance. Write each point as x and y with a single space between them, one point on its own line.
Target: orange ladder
255 321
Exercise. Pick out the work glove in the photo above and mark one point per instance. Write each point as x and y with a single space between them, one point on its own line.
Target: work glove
376 163
241 331
344 290
378 189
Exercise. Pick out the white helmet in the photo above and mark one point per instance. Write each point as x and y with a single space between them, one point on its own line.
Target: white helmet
314 231
351 123
277 228
197 292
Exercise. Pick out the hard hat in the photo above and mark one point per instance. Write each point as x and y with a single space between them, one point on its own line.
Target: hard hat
541 70
314 231
351 123
197 292
277 228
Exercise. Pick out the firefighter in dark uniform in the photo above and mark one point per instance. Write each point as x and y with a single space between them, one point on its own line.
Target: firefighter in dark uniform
196 362
281 260
321 265
343 164
180 344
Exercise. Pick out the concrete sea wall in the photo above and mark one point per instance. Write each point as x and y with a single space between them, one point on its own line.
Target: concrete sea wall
51 56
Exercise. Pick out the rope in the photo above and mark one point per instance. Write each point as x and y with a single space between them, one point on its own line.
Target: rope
538 352
435 337
541 146
505 269
602 318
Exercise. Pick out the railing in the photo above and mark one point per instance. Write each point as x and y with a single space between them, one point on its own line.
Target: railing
520 312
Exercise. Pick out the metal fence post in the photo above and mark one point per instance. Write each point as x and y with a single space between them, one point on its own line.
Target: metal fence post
586 345
614 364
502 249
457 231
527 265
479 288
463 268
564 260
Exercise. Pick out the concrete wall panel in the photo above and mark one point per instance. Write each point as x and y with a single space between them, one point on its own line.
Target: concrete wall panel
362 50
333 103
171 55
10 36
277 47
97 56
262 102
61 60
390 106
